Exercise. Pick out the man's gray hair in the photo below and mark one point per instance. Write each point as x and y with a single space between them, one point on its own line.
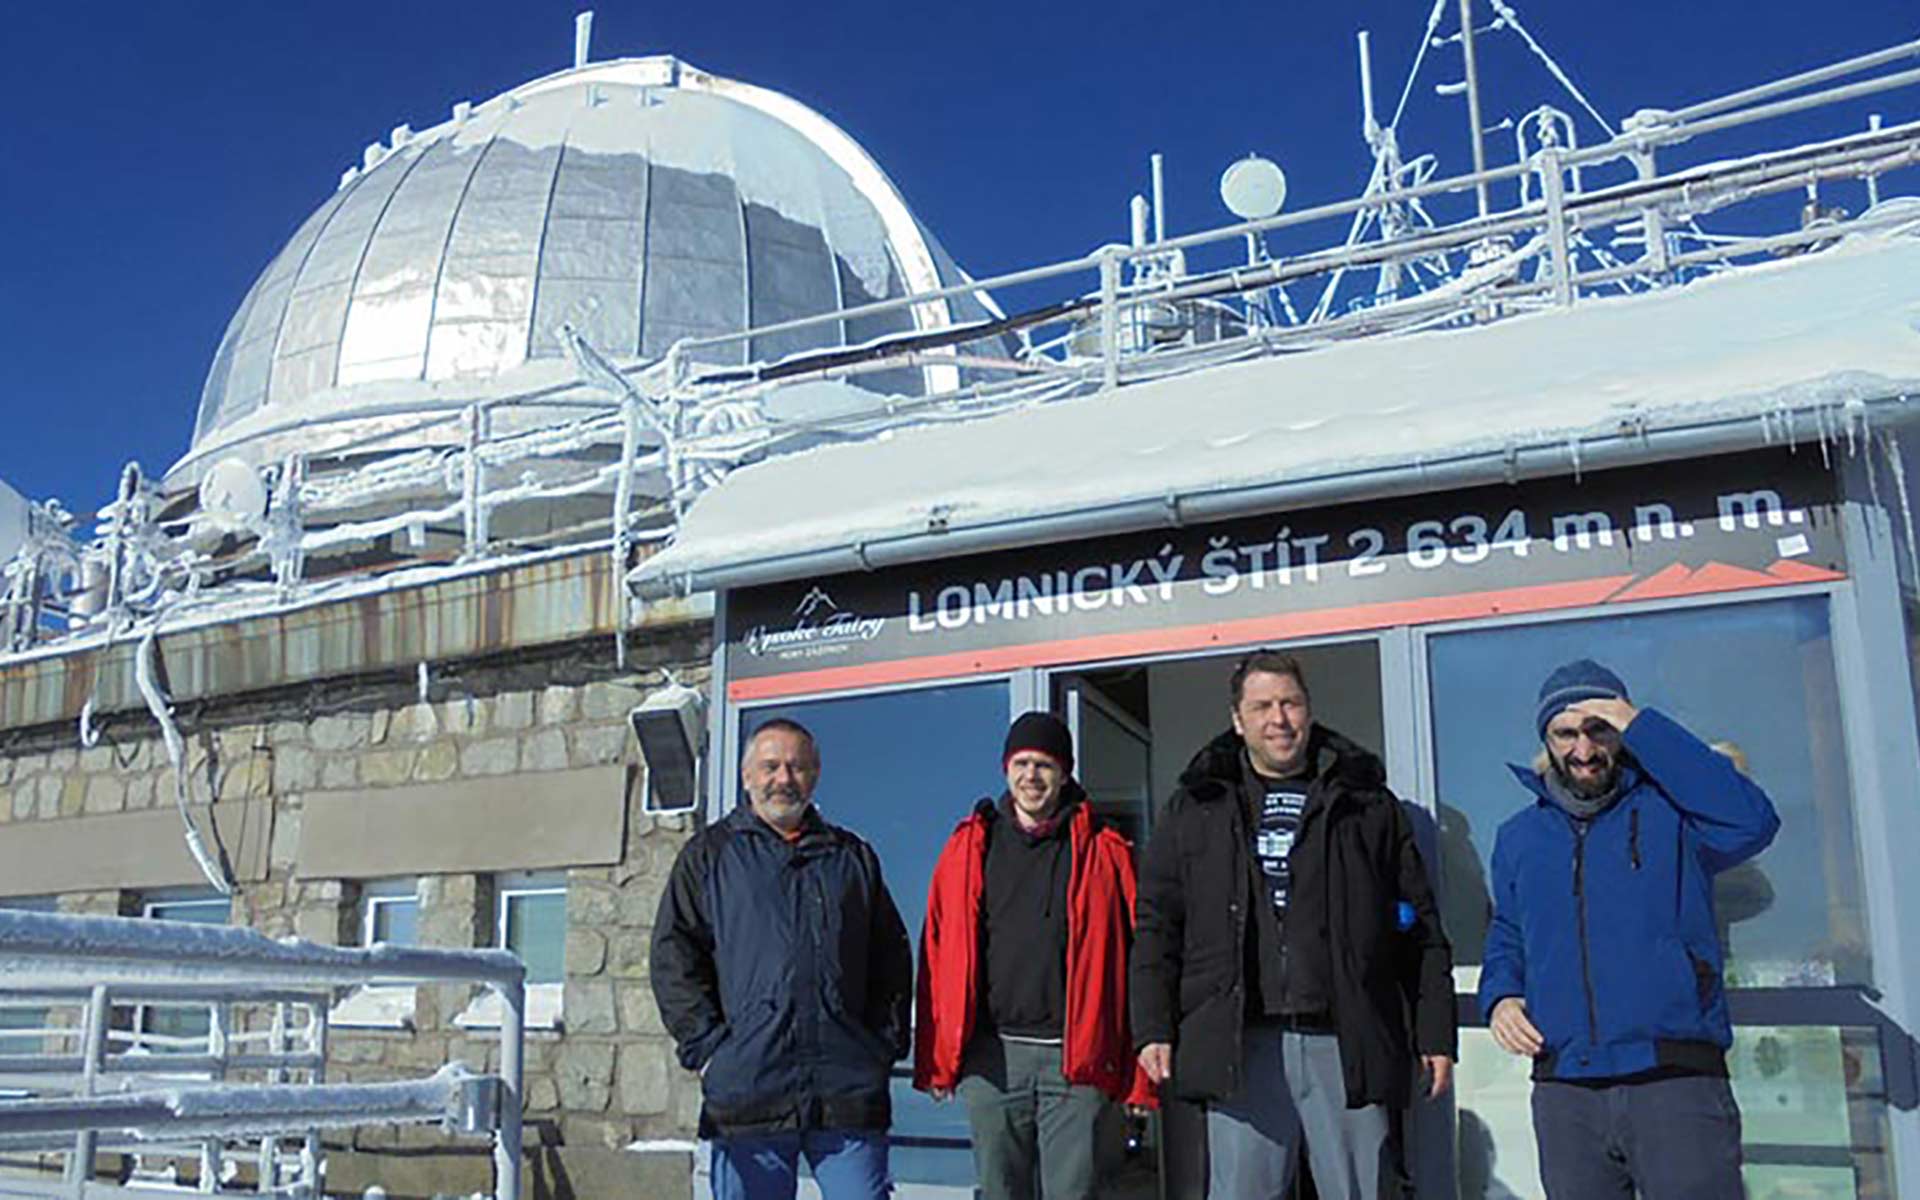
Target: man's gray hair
783 725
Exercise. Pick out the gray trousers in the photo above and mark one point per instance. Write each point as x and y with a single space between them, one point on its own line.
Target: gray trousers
1292 1090
1034 1135
1665 1139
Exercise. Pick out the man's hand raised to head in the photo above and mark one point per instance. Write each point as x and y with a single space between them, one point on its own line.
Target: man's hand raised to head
1513 1031
1617 713
1156 1059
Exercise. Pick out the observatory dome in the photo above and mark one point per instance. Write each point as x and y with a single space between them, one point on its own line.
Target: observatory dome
641 200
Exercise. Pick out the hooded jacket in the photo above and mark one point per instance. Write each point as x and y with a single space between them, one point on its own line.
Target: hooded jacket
783 972
1392 989
1605 927
1096 1050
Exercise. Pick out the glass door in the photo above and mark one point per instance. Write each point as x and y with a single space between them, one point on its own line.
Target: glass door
1113 753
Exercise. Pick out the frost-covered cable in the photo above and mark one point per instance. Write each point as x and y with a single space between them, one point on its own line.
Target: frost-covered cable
89 732
1512 18
143 677
1426 40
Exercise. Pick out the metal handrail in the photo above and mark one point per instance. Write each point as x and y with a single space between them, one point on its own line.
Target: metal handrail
104 962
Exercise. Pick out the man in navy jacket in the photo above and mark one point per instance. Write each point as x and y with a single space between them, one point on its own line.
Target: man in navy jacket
782 969
1602 962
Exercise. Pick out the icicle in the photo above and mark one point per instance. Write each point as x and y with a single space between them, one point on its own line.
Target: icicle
1856 417
1826 435
1793 439
1873 479
1766 428
1899 470
1573 452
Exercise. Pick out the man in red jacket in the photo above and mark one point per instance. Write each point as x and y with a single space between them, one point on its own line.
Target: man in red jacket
1023 967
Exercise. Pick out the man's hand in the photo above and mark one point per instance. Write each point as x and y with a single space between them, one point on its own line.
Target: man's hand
1513 1031
1156 1059
1437 1071
941 1095
1617 713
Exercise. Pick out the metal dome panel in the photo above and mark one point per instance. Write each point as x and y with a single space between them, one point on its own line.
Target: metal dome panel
641 201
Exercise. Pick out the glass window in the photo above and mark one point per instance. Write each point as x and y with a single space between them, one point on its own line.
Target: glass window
390 913
190 1021
15 1018
1757 681
532 922
901 769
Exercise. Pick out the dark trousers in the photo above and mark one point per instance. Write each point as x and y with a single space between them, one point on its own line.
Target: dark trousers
1663 1139
1035 1136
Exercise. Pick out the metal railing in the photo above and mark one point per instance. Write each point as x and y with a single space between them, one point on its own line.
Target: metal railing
253 1086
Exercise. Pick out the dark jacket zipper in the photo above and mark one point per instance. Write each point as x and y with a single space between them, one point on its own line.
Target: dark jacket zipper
1580 915
1633 838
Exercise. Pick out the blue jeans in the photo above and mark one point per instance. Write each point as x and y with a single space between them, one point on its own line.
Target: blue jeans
847 1166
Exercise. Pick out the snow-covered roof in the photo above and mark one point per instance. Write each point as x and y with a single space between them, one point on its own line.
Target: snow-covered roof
1837 328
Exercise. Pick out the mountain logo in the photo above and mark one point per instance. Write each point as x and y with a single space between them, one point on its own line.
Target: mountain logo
814 601
820 628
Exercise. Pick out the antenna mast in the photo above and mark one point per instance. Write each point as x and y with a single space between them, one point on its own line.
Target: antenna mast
1473 104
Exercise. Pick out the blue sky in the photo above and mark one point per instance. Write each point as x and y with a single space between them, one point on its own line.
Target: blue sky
154 156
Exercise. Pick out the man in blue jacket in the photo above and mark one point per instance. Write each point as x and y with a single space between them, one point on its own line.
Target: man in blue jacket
782 969
1602 963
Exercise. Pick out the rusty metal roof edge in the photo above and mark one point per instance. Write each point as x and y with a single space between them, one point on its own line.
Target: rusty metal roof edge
452 615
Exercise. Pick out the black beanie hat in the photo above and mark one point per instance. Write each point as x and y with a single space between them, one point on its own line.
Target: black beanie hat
1582 679
1040 731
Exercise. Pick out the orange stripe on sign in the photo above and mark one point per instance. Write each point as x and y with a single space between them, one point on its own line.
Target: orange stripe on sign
1540 597
1802 572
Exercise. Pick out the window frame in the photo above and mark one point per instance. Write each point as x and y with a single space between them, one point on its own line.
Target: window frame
379 893
511 885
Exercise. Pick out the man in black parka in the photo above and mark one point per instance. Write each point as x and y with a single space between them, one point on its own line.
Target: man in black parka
1289 968
782 969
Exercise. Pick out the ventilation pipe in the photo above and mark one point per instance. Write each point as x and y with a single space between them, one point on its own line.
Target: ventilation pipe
582 38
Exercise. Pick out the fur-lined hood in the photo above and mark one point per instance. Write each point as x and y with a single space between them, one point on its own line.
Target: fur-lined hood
1220 766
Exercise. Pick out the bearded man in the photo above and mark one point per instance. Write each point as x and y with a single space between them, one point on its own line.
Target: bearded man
1602 962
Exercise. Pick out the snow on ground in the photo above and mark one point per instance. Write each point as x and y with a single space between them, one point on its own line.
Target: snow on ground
1824 329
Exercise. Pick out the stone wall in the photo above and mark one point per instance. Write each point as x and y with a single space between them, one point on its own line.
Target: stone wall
606 1076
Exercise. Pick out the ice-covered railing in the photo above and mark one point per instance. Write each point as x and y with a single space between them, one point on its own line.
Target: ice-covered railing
254 1085
1617 216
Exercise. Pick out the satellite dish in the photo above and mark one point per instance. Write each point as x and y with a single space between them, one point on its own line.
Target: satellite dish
232 496
1253 188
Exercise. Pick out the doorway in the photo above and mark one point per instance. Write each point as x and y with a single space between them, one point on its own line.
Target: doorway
1136 726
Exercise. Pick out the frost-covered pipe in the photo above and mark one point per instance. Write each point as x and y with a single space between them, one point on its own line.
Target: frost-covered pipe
1791 83
1159 198
507 1134
143 677
582 39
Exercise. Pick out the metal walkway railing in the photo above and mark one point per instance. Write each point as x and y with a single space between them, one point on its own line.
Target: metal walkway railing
251 1087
